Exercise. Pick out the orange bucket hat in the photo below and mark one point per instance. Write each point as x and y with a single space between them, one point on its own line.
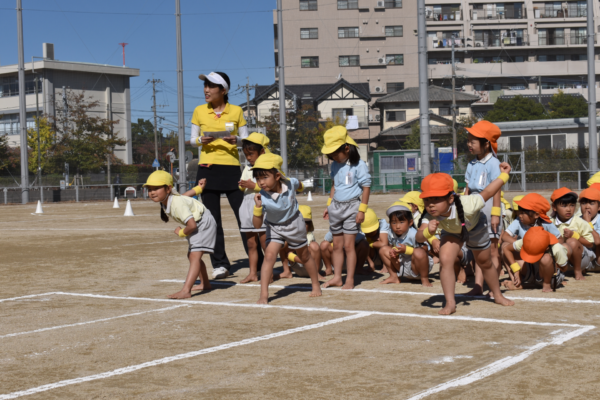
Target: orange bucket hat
535 243
436 185
558 193
590 194
595 186
537 203
486 130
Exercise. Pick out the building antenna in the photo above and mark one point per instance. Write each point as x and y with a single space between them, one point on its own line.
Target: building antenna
123 45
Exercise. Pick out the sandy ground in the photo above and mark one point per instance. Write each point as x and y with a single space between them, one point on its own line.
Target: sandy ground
97 323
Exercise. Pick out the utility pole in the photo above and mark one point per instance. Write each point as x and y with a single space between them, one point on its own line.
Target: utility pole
22 108
540 89
108 156
37 128
154 82
454 143
247 88
65 109
282 107
180 114
593 139
423 91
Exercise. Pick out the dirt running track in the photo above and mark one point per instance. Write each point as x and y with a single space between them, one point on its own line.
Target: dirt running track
84 314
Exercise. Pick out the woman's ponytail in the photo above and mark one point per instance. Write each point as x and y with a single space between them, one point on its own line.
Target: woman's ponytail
163 215
464 233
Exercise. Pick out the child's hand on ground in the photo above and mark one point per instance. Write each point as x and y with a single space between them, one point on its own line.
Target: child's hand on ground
247 184
567 234
202 183
432 226
505 168
435 246
517 278
360 217
258 200
326 214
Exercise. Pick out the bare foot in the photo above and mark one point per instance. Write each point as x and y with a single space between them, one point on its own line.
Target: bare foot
546 289
333 282
180 295
250 278
511 286
393 278
383 270
286 275
503 301
425 282
316 292
349 285
263 300
448 310
579 276
462 276
202 286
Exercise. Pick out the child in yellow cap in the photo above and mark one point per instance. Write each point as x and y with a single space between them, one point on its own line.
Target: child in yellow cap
376 233
277 206
200 228
252 146
416 203
345 210
401 256
313 246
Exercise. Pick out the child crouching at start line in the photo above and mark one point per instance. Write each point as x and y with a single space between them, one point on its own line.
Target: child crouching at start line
200 227
284 222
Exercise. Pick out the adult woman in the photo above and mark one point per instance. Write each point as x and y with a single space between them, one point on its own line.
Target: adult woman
219 159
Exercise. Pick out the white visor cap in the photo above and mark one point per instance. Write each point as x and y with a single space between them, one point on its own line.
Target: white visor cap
215 78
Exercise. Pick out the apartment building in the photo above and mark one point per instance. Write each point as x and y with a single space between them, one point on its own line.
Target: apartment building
107 84
509 47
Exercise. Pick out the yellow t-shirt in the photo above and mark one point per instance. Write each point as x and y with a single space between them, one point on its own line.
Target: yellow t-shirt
219 151
471 204
575 224
182 208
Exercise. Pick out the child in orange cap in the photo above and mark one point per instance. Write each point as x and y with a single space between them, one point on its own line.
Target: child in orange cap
577 233
532 210
589 202
461 220
540 253
482 142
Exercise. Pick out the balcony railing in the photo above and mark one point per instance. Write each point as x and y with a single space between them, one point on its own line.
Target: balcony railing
578 38
498 15
448 16
500 40
447 43
551 40
571 11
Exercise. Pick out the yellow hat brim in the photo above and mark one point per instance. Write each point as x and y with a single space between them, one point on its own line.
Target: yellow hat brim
370 228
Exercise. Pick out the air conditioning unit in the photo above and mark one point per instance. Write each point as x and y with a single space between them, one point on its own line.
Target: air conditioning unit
381 4
378 89
371 119
381 60
377 117
478 44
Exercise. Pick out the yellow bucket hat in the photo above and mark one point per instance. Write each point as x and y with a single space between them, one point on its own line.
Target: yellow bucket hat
413 198
159 178
306 212
269 161
455 187
594 179
371 223
515 207
259 139
335 138
398 206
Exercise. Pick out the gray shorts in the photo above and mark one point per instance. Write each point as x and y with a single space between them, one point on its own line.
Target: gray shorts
587 259
406 267
342 217
247 214
487 210
205 236
479 238
292 231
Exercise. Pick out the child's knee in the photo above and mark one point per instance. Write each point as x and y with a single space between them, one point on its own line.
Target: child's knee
314 246
419 255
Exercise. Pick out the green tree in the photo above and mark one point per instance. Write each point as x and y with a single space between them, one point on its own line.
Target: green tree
47 138
518 108
142 141
413 141
567 106
83 139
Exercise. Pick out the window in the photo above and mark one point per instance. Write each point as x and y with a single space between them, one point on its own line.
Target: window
394 59
347 4
393 31
309 33
348 32
308 5
393 3
530 142
515 143
578 57
9 123
578 35
9 86
559 141
392 163
309 62
395 116
395 87
340 114
349 61
444 111
544 142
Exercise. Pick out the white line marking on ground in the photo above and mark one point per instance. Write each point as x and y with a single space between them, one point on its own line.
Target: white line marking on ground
297 287
93 322
27 297
165 360
499 365
444 317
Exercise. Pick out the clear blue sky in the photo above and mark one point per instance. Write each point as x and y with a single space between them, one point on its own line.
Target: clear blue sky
233 36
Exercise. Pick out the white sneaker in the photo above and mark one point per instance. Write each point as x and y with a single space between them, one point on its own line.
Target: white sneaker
220 273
